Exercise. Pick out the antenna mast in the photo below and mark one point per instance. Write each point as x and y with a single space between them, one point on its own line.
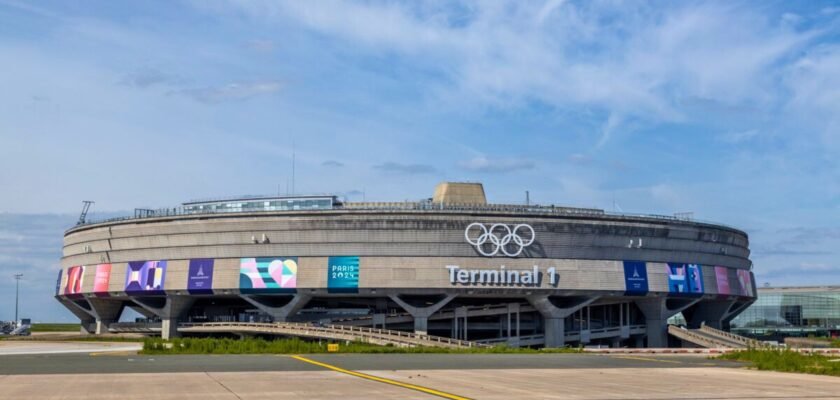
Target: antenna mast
85 209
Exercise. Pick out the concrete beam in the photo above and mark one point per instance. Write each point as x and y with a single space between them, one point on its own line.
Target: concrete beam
87 319
554 317
421 314
279 314
172 310
106 312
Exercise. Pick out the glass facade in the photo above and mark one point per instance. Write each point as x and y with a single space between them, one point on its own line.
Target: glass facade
791 312
264 204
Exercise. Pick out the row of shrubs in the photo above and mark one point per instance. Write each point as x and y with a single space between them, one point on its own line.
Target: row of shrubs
298 346
786 361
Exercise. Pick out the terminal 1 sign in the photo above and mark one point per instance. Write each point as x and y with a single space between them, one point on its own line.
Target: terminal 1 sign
501 276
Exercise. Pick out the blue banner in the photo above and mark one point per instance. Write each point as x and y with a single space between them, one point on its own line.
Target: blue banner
58 283
635 278
200 279
343 274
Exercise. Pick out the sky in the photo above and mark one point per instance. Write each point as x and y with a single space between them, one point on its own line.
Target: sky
729 110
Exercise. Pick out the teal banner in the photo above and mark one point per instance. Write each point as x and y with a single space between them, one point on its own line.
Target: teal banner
343 274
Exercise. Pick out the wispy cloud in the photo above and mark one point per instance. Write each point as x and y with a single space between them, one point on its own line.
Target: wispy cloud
332 164
232 91
496 164
148 77
410 169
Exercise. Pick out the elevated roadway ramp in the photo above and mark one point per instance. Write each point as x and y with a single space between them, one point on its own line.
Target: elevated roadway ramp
381 337
709 337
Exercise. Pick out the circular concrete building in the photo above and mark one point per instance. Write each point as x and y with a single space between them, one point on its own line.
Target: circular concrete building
452 266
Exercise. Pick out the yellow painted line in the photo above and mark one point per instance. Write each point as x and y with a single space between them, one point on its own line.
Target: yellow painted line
423 389
649 359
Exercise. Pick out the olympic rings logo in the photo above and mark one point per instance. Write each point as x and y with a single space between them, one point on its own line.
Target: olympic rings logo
507 239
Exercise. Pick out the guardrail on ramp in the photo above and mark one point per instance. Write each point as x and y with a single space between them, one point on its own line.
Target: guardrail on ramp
382 337
703 339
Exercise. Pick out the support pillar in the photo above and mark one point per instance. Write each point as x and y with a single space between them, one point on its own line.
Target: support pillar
657 310
173 309
554 315
279 314
711 313
106 313
87 319
421 314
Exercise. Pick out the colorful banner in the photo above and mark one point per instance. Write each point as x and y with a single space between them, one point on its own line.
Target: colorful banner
268 274
200 279
635 278
745 282
722 279
75 276
145 277
102 279
343 274
58 283
685 279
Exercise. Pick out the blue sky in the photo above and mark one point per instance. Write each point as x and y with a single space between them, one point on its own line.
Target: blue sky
730 110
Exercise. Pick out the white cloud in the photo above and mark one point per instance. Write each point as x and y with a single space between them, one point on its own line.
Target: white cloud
232 91
496 164
627 60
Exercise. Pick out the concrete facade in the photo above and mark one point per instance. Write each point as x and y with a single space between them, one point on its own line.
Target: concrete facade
405 252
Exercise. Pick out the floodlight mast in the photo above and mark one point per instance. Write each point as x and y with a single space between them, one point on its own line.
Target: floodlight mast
17 294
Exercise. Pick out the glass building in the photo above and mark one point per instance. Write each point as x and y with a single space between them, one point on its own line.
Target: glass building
280 203
791 312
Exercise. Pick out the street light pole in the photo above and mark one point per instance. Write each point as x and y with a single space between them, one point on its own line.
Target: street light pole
17 294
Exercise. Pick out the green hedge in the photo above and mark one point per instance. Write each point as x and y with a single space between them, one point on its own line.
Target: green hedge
786 361
298 346
55 328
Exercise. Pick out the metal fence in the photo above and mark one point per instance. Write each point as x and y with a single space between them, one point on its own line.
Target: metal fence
422 206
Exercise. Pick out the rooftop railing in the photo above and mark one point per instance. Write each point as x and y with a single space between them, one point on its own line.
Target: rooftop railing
421 206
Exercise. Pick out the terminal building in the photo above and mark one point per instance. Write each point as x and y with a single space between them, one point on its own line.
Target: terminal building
782 312
452 265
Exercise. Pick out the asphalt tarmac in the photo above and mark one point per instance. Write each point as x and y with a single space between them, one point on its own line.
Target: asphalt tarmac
104 363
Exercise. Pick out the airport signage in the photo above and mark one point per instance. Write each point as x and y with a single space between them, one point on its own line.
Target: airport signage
501 276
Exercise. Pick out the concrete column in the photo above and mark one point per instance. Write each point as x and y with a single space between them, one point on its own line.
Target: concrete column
421 314
87 319
555 316
279 314
555 332
657 312
711 313
379 321
106 312
173 309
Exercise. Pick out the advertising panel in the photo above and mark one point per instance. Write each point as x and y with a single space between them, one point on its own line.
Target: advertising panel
635 278
200 279
745 282
343 274
58 283
722 279
685 279
145 277
270 274
102 279
75 275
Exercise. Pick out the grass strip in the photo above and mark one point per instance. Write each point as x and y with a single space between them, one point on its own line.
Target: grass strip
299 346
786 361
55 328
